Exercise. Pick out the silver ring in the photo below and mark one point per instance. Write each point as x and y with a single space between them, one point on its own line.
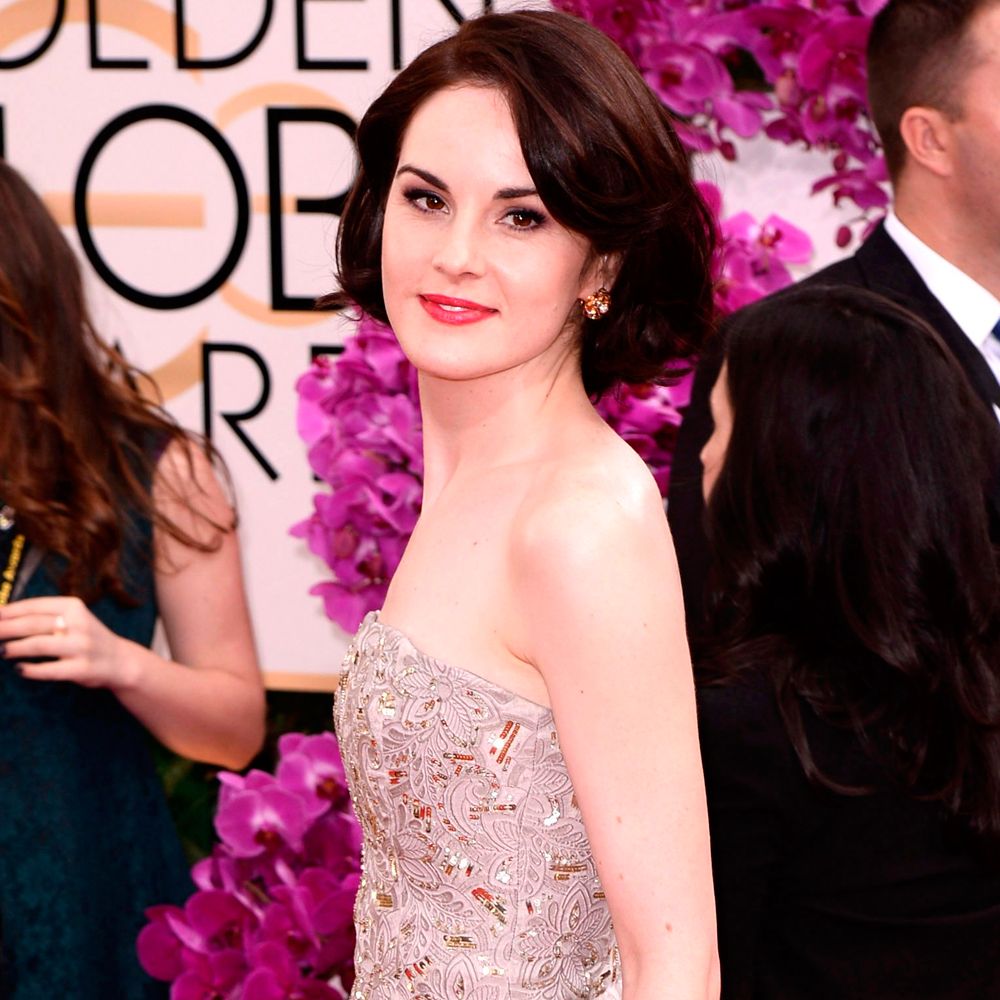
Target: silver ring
59 626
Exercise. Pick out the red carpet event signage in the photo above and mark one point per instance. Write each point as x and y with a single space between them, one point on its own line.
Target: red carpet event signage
198 154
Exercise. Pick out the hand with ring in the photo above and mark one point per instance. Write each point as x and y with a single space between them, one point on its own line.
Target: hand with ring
64 635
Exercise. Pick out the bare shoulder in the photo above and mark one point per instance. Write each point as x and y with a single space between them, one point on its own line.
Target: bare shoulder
587 507
188 491
182 464
593 567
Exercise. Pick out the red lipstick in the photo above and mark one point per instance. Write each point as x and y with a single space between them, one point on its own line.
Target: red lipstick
454 312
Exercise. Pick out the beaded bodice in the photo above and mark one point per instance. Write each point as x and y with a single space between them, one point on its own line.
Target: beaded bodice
479 882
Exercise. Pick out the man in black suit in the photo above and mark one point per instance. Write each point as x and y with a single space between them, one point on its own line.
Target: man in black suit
934 94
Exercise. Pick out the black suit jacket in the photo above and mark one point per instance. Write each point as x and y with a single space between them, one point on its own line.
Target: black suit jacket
878 265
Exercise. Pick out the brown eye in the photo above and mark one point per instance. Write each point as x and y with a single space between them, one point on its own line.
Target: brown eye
524 218
425 201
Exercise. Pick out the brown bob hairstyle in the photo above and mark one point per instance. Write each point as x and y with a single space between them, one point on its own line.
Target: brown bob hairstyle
605 160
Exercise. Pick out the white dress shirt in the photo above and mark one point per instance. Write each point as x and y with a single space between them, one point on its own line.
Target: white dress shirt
971 306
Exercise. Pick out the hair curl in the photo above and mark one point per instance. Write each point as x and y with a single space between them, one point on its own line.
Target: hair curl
850 533
80 442
605 160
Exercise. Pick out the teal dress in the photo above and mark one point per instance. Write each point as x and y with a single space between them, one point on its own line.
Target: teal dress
86 838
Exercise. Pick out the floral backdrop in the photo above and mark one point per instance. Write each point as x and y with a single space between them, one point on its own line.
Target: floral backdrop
271 916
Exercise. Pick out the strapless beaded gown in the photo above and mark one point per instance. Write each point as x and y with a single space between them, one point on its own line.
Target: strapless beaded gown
479 882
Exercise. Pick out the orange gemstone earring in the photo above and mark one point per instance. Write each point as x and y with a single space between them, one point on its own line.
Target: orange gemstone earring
597 305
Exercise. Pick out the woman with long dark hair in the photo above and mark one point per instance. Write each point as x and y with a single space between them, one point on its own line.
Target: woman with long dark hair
850 688
110 516
518 722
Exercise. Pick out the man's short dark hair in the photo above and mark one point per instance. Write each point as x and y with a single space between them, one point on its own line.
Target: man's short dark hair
918 54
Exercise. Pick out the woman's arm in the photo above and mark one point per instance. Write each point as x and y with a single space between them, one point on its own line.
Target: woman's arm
207 703
599 593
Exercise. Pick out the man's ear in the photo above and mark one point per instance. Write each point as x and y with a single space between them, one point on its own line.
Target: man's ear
927 133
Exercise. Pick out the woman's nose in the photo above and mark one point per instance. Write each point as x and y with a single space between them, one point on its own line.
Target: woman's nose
460 250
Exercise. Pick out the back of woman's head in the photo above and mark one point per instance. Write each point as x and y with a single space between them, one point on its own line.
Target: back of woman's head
606 163
850 533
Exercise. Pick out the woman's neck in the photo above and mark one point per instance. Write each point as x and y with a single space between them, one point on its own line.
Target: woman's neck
500 419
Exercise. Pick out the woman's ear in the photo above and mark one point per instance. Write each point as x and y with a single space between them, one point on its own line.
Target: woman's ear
601 272
610 266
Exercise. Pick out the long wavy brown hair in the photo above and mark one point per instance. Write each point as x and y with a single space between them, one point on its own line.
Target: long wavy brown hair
78 440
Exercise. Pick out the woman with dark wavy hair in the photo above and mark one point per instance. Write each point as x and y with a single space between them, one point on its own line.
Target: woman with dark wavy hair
850 694
518 721
110 516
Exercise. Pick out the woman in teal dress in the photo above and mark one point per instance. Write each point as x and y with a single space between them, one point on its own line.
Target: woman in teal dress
111 517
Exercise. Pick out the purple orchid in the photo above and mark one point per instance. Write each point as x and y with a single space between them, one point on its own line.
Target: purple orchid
312 917
648 418
774 239
774 35
197 948
210 977
693 81
754 256
256 815
865 186
311 767
361 419
832 74
685 76
158 947
333 843
272 916
276 976
697 55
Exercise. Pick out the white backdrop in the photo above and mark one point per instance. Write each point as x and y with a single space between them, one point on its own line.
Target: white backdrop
164 168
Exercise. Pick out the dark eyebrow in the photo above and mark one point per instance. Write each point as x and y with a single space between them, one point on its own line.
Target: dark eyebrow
510 194
504 194
424 175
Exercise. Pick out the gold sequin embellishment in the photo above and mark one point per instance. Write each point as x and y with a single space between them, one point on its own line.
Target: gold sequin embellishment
477 868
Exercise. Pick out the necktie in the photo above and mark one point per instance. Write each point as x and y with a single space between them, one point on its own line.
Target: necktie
992 350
